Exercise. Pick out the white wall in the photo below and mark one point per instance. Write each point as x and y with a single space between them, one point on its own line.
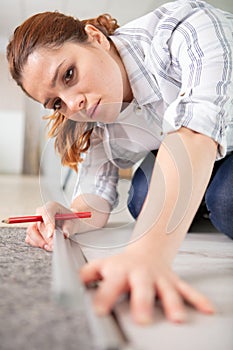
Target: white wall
10 95
12 123
18 114
11 141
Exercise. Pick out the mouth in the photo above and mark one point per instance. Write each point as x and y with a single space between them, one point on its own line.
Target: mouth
92 110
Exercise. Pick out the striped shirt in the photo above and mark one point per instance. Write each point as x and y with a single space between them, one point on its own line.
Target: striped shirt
179 61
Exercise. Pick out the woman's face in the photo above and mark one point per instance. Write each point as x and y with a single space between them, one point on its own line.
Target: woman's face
83 82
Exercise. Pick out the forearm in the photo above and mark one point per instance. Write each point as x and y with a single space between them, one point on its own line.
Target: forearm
99 208
181 174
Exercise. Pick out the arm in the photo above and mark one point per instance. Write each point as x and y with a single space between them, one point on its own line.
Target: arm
144 268
97 180
100 210
181 174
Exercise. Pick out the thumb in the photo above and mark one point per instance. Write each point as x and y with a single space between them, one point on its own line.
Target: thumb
50 227
70 227
48 221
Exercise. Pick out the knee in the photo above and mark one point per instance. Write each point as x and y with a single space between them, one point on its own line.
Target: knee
137 194
133 207
139 185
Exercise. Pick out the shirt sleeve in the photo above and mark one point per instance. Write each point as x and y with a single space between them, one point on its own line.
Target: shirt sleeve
97 174
201 48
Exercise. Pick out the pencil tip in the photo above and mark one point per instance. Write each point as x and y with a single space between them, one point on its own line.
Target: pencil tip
4 221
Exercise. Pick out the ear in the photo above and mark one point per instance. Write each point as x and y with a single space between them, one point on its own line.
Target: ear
95 35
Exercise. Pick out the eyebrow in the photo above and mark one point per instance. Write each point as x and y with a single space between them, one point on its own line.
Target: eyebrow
53 81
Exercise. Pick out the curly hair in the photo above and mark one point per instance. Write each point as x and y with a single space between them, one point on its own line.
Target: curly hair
52 30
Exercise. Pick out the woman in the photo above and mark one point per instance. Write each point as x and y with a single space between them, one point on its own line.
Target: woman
160 86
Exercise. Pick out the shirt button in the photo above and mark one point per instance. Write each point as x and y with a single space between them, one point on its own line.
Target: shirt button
138 110
161 133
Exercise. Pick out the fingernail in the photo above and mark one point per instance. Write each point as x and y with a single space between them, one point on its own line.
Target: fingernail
48 248
66 234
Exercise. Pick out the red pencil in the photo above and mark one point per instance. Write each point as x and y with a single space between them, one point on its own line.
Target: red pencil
34 218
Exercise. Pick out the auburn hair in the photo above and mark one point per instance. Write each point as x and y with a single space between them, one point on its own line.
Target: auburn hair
52 30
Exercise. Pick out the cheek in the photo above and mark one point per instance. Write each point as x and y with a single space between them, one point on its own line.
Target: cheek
109 77
114 86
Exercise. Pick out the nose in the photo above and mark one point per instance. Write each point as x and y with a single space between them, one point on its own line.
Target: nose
74 103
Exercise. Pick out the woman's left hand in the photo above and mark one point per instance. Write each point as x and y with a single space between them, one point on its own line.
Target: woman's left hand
145 278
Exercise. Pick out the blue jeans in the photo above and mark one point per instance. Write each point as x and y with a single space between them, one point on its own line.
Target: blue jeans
218 197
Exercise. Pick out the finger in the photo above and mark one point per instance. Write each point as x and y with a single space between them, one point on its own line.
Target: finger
45 231
172 302
46 247
70 227
110 287
48 214
142 298
195 298
108 292
29 241
35 239
90 272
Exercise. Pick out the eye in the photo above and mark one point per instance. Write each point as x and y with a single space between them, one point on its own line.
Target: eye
57 104
69 75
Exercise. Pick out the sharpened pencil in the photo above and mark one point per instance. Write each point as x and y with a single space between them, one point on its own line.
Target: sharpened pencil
36 218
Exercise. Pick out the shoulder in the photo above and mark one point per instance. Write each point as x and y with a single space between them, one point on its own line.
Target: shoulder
163 19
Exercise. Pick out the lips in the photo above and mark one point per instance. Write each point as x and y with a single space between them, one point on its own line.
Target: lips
92 110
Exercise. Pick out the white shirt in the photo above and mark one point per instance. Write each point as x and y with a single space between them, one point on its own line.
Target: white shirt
179 60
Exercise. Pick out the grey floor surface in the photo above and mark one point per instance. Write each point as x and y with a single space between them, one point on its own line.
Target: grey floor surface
29 317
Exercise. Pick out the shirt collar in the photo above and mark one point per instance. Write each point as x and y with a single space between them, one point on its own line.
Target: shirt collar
143 84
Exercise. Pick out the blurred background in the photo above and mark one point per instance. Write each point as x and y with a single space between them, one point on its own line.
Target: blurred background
22 130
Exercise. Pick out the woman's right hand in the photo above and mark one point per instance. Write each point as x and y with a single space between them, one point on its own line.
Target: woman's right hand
40 234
